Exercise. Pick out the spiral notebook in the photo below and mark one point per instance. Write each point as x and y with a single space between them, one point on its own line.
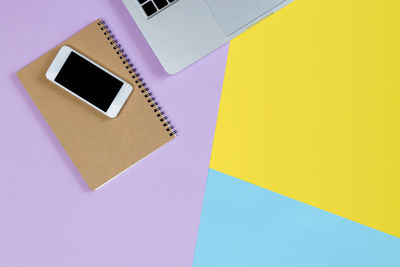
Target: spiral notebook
101 148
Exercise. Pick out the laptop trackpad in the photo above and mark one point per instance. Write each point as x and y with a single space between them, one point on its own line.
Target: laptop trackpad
235 14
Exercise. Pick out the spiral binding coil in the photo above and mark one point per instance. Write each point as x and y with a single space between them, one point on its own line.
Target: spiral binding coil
145 90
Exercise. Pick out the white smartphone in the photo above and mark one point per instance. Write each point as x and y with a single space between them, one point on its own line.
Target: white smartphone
88 81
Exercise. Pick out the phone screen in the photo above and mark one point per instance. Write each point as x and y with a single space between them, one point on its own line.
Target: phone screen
88 81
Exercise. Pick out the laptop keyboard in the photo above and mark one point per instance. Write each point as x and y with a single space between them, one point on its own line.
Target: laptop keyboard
152 7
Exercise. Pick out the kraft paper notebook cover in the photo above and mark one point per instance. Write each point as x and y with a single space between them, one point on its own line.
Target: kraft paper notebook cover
100 147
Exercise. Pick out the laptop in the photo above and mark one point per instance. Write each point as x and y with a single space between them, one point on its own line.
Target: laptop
181 32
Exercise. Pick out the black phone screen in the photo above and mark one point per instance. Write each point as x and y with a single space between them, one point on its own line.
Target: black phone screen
88 81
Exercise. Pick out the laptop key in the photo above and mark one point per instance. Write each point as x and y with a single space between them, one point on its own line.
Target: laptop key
141 1
160 3
149 8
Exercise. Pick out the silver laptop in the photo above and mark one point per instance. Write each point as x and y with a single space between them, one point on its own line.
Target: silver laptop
182 31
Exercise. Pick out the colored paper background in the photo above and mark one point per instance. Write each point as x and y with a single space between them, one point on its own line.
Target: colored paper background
246 225
148 216
310 108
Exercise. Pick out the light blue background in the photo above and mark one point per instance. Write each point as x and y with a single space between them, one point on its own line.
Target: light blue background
248 226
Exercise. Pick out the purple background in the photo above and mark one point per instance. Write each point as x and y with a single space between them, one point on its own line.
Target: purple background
149 216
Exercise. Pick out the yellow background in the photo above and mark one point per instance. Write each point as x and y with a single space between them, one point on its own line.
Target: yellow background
310 108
